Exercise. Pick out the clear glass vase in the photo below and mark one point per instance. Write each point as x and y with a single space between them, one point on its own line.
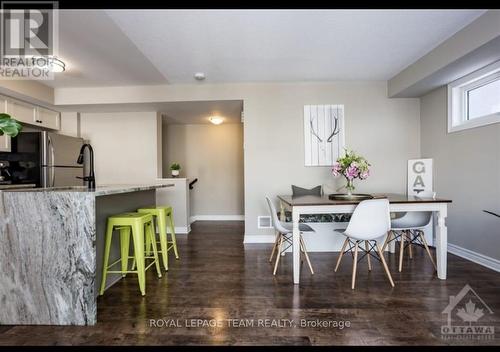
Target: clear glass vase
350 187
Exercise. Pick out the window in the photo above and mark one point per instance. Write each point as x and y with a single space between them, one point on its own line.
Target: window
474 100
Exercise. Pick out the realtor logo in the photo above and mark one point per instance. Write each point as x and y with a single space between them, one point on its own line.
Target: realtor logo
28 39
28 28
466 309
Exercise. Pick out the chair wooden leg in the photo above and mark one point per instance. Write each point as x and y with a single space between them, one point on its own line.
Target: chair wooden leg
389 236
422 237
278 255
410 249
275 245
385 265
303 245
354 265
341 254
401 251
367 246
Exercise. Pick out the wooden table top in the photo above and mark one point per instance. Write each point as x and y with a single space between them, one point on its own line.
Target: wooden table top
323 200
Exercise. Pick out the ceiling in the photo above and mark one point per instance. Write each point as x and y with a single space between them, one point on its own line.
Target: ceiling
151 47
185 112
97 53
198 112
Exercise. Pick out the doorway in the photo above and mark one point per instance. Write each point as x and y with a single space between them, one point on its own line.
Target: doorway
205 138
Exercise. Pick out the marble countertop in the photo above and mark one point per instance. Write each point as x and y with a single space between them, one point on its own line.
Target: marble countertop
98 191
29 185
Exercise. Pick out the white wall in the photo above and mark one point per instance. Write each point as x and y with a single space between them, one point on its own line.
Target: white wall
214 155
386 131
31 91
125 146
467 170
70 124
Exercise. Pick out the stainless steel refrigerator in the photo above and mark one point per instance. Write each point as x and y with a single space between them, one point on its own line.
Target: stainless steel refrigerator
45 159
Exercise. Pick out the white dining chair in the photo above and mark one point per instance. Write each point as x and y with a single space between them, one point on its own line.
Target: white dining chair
409 231
370 221
284 232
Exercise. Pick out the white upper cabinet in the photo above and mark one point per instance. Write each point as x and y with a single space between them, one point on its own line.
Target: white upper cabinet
30 114
48 119
22 112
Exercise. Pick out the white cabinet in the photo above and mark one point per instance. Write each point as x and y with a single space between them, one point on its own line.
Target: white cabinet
176 197
48 119
4 143
30 114
4 140
22 112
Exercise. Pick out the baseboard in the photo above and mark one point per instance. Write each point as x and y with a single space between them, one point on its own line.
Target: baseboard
216 218
259 239
182 230
481 259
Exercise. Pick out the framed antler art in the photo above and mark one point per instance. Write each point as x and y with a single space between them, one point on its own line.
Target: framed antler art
323 134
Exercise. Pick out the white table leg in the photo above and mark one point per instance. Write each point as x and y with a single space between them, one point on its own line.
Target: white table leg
441 243
282 218
296 246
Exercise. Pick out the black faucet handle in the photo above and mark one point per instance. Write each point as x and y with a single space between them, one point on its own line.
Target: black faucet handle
85 178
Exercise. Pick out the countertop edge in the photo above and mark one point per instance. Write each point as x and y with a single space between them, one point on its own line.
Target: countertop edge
132 188
100 191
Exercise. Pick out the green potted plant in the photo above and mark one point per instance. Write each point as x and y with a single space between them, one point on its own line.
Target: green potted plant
175 168
9 126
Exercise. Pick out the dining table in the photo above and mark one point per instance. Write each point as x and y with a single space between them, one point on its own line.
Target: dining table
313 204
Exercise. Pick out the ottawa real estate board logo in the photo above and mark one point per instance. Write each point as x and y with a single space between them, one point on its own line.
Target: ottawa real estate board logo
467 315
29 40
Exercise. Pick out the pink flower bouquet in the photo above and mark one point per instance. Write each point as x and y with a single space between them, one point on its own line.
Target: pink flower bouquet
351 166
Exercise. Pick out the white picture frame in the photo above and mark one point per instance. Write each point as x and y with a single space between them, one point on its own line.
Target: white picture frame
324 137
420 178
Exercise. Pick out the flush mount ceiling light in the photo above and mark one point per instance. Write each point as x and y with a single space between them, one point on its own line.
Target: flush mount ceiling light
199 76
56 65
50 63
216 120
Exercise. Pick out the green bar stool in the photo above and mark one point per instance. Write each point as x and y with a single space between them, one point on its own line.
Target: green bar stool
141 228
164 217
170 220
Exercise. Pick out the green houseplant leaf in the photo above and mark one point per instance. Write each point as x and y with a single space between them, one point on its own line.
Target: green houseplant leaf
175 166
9 126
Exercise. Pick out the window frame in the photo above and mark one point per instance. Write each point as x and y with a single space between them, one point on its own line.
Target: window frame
458 112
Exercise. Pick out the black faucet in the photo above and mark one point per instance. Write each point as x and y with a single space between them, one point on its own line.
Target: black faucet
91 177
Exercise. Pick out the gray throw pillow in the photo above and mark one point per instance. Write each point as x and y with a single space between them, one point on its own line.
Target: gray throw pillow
299 191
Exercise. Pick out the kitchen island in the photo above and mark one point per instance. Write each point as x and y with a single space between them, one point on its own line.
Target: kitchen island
51 249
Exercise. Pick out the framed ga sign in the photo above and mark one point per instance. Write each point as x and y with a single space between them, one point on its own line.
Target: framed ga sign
420 177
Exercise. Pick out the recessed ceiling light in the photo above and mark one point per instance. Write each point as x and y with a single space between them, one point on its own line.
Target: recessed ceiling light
199 76
216 120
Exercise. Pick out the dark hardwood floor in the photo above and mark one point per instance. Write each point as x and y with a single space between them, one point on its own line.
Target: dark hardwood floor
219 278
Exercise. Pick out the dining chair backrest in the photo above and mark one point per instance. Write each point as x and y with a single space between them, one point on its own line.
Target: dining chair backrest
371 219
413 219
274 217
